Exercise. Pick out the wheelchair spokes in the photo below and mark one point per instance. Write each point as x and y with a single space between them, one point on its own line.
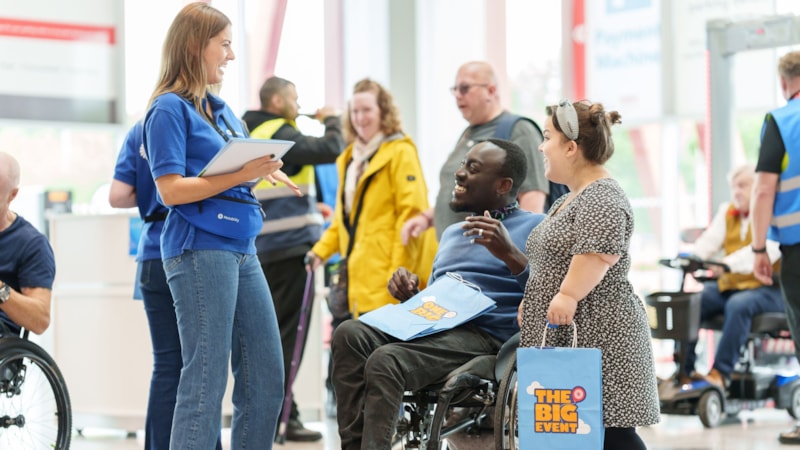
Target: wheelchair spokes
34 403
470 404
12 376
506 418
415 421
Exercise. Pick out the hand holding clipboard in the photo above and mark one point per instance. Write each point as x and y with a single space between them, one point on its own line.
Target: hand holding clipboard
238 152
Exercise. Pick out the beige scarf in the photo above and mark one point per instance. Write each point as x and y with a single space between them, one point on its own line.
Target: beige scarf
362 152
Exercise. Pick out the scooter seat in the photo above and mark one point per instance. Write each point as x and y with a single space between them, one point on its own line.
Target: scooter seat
773 324
769 323
714 323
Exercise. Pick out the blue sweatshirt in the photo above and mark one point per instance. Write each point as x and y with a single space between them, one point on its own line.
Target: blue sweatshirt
476 265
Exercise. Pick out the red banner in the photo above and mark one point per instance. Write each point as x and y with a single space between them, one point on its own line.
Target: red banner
57 31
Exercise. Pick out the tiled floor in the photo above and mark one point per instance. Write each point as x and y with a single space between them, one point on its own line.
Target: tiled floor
756 430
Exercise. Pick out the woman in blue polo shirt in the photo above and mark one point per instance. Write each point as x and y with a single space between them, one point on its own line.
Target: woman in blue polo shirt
222 301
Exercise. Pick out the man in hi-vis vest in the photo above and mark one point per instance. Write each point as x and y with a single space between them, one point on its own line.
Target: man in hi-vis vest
776 200
293 224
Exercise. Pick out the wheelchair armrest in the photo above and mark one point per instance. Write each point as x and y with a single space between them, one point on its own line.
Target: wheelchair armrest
507 353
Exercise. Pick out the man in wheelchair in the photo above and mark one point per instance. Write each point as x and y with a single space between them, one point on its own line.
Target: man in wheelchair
736 294
372 370
27 266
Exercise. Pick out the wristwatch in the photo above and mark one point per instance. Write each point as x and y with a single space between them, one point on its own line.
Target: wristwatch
5 292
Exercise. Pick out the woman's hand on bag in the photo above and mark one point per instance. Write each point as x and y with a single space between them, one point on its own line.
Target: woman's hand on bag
562 309
312 261
403 285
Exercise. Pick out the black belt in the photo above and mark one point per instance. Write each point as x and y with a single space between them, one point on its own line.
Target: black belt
155 217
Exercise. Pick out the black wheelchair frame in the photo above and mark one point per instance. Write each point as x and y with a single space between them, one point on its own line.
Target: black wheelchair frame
35 409
480 396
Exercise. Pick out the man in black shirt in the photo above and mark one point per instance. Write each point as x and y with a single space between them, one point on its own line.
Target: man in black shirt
776 200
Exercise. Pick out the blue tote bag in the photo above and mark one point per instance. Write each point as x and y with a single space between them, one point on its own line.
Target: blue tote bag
560 397
444 304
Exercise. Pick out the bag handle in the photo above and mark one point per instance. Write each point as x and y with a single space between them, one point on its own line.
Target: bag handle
574 334
460 279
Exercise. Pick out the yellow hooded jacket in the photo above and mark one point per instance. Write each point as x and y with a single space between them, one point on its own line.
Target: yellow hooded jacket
396 193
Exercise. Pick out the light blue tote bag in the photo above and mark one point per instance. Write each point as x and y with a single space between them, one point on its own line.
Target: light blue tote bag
560 397
446 303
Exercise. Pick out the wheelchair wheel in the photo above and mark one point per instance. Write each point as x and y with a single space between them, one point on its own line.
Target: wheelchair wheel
505 412
34 403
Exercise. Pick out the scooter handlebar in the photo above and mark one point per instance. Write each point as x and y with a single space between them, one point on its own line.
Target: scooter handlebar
691 263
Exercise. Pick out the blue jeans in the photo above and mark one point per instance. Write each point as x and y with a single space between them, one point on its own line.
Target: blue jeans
739 308
167 361
225 313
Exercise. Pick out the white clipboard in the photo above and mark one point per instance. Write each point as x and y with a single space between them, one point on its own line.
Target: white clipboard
238 151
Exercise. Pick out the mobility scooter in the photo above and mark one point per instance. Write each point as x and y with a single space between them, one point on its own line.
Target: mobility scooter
676 316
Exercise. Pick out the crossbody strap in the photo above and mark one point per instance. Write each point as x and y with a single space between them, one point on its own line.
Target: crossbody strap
351 228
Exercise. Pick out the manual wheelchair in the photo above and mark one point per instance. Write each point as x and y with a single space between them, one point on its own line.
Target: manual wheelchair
35 411
478 397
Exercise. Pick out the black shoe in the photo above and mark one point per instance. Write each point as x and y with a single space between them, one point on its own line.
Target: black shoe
295 431
790 437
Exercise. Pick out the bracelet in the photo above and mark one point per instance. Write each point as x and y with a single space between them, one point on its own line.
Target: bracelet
759 250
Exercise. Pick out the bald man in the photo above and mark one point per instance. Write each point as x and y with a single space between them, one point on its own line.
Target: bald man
27 266
478 98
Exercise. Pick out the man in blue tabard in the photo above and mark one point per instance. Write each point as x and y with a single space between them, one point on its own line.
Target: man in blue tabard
776 200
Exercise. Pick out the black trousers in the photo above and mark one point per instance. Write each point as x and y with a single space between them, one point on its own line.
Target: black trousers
371 370
287 279
790 288
622 439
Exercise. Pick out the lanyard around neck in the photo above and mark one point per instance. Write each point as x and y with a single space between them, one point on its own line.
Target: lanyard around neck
216 127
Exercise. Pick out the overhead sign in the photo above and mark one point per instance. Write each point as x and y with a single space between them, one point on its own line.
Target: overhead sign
58 64
623 57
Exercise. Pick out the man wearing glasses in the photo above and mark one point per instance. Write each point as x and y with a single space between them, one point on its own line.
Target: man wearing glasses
478 99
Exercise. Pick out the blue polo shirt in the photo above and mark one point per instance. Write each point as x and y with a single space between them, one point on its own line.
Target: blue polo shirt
132 169
178 140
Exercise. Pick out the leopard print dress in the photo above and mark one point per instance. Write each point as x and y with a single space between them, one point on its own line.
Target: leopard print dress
612 318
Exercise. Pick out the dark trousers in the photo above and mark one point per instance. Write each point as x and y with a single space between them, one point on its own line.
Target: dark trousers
371 370
287 279
790 288
167 362
622 439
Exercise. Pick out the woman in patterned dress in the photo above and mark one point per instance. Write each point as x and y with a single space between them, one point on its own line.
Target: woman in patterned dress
579 264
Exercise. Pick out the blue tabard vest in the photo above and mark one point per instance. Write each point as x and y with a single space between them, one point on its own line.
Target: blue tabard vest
785 227
290 220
